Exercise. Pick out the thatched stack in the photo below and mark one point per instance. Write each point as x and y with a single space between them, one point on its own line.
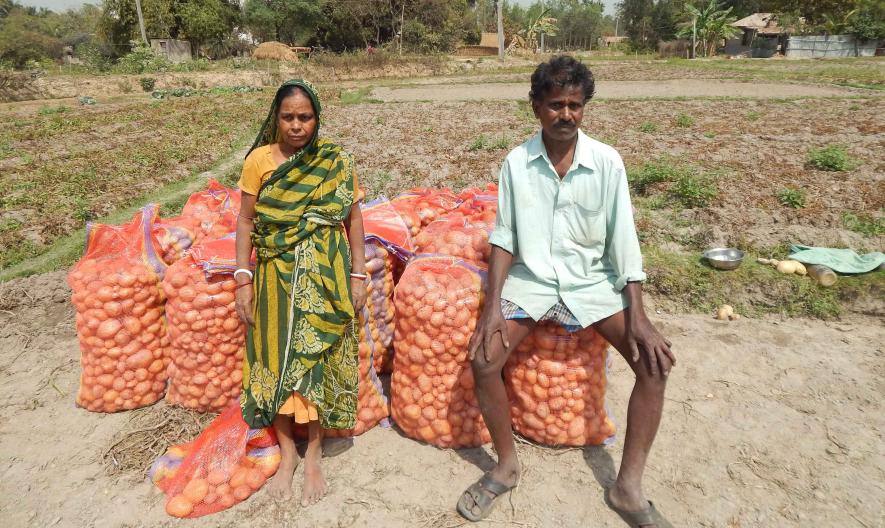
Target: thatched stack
274 51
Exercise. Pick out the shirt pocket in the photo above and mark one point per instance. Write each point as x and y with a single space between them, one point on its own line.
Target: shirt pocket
585 214
586 225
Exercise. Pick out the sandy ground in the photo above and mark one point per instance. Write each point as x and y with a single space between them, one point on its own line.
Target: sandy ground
768 423
611 90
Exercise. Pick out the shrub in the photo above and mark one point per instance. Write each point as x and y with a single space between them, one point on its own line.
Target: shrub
648 127
147 83
830 158
142 60
794 198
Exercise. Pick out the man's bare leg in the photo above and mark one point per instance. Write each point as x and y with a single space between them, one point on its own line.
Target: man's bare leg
493 402
280 485
643 418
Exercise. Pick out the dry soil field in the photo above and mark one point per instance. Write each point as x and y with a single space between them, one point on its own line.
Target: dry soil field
771 420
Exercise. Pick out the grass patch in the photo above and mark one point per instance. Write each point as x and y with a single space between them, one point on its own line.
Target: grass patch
753 289
648 127
49 110
356 96
684 121
688 186
864 224
794 198
484 142
831 158
753 115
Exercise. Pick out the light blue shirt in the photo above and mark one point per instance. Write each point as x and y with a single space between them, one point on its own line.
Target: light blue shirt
572 238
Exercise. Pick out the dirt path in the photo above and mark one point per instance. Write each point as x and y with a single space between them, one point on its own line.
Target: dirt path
612 90
768 423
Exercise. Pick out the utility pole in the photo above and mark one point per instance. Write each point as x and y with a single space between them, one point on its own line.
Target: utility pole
617 20
402 21
500 6
694 35
141 22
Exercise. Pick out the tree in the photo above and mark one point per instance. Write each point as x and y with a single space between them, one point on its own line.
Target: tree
868 21
665 19
711 23
288 21
636 18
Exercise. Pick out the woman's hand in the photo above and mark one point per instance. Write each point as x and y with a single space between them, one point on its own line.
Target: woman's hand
244 304
358 293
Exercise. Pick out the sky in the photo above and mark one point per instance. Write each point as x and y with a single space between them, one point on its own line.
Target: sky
61 5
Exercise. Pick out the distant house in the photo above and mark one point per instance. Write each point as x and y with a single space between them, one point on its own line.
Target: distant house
762 36
488 46
606 42
173 49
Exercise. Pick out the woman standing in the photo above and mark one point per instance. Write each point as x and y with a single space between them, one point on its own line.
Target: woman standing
299 212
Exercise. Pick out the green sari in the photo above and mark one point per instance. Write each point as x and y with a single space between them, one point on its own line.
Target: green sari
305 333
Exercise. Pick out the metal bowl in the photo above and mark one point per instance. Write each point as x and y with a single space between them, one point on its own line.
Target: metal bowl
724 258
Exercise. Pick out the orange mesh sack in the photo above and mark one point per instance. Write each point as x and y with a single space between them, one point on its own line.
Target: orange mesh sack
208 214
116 292
457 235
428 203
490 190
556 384
206 335
385 225
437 303
223 466
377 319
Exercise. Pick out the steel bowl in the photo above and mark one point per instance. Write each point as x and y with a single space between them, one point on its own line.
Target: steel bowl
724 258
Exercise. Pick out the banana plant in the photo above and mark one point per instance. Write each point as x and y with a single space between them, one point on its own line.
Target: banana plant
712 24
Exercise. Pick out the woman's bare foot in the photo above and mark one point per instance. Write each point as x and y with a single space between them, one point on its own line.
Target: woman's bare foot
280 485
314 483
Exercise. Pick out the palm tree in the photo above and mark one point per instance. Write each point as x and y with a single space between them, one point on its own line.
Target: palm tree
712 24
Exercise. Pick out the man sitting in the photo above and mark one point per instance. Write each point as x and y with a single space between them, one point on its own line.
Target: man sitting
565 249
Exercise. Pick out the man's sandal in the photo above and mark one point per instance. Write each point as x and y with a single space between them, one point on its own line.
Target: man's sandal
638 519
481 495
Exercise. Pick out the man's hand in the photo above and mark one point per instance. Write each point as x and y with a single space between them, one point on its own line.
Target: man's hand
491 322
358 293
244 304
644 339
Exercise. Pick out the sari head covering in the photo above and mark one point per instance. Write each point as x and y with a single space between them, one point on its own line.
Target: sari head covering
305 334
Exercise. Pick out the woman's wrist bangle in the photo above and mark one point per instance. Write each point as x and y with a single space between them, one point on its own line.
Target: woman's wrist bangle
362 276
243 270
244 284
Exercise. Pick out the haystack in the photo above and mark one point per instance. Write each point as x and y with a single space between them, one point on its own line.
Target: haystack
275 51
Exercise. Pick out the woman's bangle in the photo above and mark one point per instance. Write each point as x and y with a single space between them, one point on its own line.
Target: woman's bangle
244 284
361 276
243 270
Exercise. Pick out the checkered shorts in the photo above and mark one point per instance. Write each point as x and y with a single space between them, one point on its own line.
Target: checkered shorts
558 313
